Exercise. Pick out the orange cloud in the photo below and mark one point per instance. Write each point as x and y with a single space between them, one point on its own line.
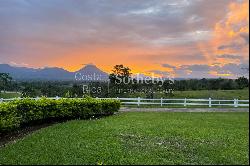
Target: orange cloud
228 32
227 35
196 33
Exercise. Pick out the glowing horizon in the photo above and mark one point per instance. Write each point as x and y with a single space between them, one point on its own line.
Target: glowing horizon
181 38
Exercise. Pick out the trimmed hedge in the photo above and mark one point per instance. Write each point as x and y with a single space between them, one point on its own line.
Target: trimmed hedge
18 112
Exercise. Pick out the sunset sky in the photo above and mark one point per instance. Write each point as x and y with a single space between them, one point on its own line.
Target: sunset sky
181 38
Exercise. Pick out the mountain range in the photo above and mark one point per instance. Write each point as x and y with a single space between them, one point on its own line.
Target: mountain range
87 73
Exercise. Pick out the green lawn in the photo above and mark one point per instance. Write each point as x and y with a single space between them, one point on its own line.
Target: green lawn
220 94
214 94
138 138
9 95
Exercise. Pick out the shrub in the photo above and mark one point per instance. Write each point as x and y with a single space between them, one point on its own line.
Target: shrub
8 117
13 114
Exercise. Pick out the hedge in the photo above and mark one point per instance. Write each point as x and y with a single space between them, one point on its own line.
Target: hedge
14 114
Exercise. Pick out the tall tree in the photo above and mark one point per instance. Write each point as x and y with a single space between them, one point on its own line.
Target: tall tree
242 82
5 81
119 73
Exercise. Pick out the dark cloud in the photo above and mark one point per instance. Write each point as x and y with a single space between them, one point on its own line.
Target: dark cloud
195 57
205 71
229 56
196 67
235 46
31 30
168 66
238 43
92 21
236 69
162 73
245 36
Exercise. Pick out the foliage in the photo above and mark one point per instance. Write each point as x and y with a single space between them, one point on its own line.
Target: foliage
8 117
242 82
5 81
29 91
120 72
117 88
13 114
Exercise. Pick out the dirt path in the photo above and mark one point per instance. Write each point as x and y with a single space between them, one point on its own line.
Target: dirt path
127 109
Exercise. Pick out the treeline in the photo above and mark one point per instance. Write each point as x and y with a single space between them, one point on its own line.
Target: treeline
105 89
212 84
120 84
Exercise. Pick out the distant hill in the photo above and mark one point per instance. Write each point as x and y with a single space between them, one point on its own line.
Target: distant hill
54 73
91 73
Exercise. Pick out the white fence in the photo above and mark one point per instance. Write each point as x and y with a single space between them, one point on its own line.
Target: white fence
163 102
183 102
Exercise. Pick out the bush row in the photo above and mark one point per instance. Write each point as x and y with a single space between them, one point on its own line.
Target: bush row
25 111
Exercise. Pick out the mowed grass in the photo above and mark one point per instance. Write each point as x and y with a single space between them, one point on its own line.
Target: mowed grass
6 95
138 138
214 94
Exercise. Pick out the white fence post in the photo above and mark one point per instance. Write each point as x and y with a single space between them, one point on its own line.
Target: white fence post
185 102
210 102
235 102
161 101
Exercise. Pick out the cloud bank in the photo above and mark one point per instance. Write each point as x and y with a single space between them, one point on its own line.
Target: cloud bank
141 34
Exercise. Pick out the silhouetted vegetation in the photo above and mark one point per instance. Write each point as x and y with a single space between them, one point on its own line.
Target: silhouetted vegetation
5 81
120 84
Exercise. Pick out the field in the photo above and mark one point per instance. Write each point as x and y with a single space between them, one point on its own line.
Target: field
138 138
220 94
9 95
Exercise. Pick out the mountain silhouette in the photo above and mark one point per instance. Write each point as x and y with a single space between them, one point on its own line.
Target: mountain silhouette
54 73
91 73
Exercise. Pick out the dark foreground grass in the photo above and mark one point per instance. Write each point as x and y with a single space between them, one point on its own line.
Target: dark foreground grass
138 138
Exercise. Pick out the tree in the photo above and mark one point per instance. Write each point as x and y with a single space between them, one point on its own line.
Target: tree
29 91
119 73
214 84
242 82
5 81
228 84
76 90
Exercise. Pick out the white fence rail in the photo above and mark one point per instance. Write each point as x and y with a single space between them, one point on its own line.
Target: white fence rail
183 102
163 101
